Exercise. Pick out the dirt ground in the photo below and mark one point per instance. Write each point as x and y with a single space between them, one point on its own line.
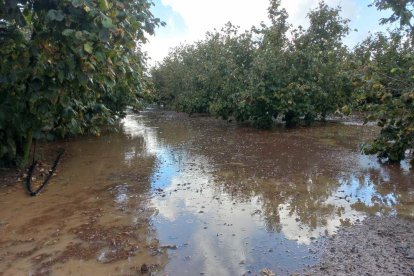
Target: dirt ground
377 246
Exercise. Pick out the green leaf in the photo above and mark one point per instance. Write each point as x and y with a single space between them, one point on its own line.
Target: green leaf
100 56
77 3
55 15
79 35
107 23
104 35
103 5
88 47
68 32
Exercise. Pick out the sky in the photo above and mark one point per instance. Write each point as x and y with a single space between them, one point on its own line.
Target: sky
189 20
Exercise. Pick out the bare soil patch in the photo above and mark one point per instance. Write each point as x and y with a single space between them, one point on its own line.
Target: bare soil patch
377 246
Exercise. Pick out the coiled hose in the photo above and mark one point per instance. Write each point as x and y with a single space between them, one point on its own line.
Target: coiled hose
49 176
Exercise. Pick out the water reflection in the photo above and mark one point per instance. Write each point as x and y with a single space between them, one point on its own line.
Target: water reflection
234 199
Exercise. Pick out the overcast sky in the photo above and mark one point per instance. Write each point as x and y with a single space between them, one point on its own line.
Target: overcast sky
189 20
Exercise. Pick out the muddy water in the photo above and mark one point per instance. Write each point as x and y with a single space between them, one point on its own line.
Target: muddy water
191 196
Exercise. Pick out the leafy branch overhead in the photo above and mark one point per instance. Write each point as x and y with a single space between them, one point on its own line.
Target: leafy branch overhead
68 67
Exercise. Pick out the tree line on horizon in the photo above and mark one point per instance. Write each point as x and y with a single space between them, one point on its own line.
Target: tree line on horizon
275 72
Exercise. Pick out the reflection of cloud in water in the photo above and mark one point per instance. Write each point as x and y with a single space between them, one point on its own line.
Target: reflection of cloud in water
166 169
133 126
213 254
294 229
220 230
217 228
363 190
353 189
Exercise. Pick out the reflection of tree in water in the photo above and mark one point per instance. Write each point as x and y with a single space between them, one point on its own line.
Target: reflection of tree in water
301 199
303 173
386 190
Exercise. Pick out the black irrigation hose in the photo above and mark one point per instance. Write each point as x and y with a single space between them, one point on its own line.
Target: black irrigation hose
51 172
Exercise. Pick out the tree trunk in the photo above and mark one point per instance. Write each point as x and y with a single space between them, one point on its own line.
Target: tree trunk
23 146
291 119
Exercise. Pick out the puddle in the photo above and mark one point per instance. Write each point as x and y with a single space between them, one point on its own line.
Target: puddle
191 196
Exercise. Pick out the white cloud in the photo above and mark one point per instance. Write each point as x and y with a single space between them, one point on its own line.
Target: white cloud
204 15
201 16
298 10
159 46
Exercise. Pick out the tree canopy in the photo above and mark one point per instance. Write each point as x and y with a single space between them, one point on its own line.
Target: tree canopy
387 84
277 73
269 72
68 67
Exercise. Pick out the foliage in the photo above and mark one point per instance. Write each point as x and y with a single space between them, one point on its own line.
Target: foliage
261 75
386 65
402 13
274 72
206 76
68 67
303 77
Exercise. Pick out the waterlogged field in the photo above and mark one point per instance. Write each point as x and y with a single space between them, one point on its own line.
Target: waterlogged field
175 195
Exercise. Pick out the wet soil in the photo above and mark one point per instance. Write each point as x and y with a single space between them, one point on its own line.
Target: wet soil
377 246
179 195
78 225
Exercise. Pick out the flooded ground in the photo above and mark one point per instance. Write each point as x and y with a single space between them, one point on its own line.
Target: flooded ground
173 195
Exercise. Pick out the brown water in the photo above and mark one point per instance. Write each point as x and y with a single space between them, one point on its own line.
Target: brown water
191 196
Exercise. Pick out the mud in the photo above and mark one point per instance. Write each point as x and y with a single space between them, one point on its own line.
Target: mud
377 246
77 226
179 195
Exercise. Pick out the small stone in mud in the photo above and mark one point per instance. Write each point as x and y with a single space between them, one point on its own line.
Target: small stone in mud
144 269
354 250
257 212
169 246
201 212
267 272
